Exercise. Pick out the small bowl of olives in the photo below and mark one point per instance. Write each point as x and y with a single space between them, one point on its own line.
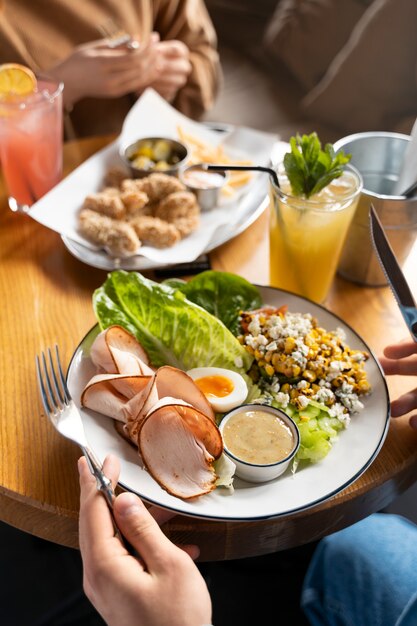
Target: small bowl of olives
154 154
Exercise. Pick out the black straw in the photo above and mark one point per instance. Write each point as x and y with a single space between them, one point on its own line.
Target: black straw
246 168
410 191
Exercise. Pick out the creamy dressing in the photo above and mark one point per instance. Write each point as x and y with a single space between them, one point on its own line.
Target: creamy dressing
201 179
258 437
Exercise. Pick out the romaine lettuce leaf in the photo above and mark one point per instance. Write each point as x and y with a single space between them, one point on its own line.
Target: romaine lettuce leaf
222 294
173 330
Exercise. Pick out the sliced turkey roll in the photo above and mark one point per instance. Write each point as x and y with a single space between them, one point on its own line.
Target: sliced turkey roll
178 445
108 393
167 382
116 351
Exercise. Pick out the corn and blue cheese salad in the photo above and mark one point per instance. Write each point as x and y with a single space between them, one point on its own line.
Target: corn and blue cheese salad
307 371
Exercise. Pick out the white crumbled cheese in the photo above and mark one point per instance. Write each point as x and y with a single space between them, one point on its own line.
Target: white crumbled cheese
266 398
358 357
324 383
352 403
323 395
302 384
302 347
341 333
251 341
291 325
274 387
299 358
339 411
262 340
283 399
239 361
254 327
346 388
337 366
271 347
303 401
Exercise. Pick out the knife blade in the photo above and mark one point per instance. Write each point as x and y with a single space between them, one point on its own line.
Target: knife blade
393 272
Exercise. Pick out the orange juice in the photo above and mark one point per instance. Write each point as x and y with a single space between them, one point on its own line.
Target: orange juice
31 143
307 235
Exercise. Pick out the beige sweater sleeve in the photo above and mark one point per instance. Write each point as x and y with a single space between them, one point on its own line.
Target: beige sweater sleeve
188 20
41 33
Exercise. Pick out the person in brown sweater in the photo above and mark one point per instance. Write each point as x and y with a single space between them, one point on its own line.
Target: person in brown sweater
175 53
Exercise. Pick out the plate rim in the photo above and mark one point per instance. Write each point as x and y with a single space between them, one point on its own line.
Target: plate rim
312 504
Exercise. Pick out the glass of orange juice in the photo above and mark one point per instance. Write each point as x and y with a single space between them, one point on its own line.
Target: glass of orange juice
31 135
306 235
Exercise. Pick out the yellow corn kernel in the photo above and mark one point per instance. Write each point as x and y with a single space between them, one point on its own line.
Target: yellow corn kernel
309 376
289 345
277 360
364 386
285 388
269 370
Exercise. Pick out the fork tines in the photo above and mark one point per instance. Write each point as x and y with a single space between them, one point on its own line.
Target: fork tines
54 391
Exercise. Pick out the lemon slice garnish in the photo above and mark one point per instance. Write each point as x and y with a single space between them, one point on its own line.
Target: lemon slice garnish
16 80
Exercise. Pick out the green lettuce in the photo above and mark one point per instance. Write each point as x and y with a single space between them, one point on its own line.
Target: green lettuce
222 294
173 330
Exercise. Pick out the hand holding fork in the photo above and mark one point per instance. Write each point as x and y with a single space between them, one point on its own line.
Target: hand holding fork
64 415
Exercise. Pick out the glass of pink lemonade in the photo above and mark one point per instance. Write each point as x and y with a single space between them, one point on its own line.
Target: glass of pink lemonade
31 135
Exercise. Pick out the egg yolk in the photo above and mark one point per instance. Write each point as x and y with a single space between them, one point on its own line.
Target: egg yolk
217 386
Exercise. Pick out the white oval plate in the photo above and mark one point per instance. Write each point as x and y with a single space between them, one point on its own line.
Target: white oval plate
350 456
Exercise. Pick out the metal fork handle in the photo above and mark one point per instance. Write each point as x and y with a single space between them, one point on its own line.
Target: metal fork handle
104 486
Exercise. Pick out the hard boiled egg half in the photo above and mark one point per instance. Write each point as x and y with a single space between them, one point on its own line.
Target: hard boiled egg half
223 388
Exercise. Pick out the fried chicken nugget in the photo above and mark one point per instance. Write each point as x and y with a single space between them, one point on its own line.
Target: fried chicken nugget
136 203
155 232
115 176
187 225
106 202
118 237
156 185
181 209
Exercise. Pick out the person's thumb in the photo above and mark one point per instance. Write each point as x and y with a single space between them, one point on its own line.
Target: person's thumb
141 530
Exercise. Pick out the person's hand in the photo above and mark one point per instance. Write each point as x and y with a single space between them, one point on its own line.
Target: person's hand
96 70
401 359
174 68
163 588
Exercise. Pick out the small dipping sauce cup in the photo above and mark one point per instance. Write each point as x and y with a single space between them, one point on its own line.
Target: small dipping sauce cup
204 184
260 440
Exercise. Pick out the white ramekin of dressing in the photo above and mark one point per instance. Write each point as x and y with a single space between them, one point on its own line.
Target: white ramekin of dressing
260 440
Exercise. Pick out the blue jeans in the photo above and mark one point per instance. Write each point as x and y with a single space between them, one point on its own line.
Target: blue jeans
365 575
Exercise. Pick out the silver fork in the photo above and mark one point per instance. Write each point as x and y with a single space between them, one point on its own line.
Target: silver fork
66 418
116 36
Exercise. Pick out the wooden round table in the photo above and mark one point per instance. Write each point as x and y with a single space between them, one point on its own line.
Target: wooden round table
46 297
